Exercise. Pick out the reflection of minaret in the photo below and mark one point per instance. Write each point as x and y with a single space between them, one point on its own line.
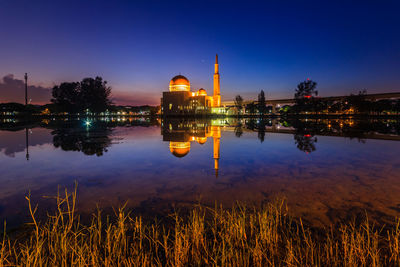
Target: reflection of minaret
27 143
217 94
216 138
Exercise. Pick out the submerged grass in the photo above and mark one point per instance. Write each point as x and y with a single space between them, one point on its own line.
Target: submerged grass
216 237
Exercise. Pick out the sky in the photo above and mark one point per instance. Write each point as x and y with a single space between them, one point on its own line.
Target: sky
138 46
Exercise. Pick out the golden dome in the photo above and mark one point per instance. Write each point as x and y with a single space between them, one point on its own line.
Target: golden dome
179 83
201 92
179 149
201 140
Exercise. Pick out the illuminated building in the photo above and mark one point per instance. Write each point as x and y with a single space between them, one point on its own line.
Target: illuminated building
216 135
179 149
180 100
181 133
217 94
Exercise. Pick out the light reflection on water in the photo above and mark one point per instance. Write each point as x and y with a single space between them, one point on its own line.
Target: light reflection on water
327 170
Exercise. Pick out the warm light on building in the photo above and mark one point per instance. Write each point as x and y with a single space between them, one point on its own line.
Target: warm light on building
45 112
180 100
202 92
181 134
201 140
179 84
179 149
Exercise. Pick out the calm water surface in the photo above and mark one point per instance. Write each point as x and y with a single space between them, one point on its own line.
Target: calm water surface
326 170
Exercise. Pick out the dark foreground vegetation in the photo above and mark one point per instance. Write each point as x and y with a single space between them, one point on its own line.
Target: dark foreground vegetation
225 237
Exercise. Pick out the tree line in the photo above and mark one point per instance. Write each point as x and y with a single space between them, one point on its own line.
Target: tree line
306 131
254 107
307 101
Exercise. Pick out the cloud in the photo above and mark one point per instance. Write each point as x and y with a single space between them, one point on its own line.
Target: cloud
13 90
12 142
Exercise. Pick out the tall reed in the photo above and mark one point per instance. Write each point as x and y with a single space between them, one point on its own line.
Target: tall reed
207 236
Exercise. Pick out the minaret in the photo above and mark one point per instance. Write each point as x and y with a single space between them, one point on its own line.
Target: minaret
216 134
217 94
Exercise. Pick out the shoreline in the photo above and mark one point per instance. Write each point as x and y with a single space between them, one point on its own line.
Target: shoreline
267 236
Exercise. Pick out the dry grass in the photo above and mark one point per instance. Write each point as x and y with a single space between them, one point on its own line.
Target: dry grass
234 237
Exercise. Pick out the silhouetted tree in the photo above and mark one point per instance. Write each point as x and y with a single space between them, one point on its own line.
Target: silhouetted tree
238 130
92 94
239 103
305 95
336 107
321 105
306 90
305 142
261 103
251 124
66 96
251 108
261 130
76 137
397 106
305 132
357 102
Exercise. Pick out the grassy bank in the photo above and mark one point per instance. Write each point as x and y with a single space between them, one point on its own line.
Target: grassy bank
217 236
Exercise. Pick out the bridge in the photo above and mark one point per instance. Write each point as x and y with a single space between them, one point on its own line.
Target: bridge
290 101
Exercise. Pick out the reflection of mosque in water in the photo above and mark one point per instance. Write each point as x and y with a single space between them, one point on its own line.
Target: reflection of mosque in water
181 133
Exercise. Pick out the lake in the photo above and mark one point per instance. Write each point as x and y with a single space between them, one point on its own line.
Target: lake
326 170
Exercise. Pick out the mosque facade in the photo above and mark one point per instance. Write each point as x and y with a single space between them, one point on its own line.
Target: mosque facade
181 101
180 134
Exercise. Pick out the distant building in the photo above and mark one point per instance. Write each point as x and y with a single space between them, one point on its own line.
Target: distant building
180 100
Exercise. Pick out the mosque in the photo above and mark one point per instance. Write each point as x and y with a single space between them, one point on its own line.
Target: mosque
180 134
181 101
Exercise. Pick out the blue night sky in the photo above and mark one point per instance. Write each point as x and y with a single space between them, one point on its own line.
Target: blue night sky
138 46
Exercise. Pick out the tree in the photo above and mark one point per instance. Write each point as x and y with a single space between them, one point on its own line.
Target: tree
383 106
95 94
251 108
336 107
261 130
357 102
238 130
397 106
90 141
239 103
285 109
305 142
92 94
305 94
251 124
305 132
261 103
306 90
66 96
